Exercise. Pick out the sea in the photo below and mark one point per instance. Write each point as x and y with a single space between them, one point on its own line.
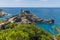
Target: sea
44 13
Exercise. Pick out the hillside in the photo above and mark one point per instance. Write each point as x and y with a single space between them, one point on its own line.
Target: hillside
14 31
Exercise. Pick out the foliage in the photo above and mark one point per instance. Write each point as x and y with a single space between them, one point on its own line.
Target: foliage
57 29
1 21
14 31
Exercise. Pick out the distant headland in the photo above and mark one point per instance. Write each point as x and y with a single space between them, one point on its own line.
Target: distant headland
26 17
2 13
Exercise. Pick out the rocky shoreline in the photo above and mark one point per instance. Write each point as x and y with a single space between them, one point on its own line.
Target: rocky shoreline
25 17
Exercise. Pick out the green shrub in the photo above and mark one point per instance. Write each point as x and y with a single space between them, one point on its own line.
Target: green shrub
14 31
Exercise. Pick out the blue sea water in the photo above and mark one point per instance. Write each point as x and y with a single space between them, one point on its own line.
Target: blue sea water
44 13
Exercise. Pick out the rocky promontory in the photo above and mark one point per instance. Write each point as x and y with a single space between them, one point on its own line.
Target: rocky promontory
2 13
26 17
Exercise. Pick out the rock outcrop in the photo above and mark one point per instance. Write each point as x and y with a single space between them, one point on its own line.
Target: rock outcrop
2 13
26 17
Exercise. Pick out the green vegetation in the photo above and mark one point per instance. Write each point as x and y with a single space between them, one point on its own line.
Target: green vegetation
1 21
14 31
57 29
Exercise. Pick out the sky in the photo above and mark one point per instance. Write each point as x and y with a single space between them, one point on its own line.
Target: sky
29 3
